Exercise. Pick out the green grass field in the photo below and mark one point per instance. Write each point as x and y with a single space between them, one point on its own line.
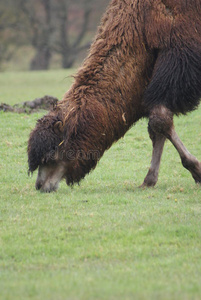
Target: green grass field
105 239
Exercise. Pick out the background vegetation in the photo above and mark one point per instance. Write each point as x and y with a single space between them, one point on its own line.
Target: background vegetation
105 239
43 34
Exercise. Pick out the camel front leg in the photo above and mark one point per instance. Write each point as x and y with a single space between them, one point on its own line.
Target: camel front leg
158 141
161 122
189 161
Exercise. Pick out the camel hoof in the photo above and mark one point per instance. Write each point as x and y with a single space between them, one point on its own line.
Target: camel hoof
147 185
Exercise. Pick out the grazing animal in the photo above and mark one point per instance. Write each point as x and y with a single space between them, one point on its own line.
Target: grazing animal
145 61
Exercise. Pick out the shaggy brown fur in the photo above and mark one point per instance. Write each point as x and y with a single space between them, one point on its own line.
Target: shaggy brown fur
145 62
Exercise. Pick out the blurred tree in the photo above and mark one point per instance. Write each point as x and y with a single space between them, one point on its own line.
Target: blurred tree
62 27
73 21
10 19
38 13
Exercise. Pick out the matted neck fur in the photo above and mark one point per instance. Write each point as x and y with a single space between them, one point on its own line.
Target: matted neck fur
145 61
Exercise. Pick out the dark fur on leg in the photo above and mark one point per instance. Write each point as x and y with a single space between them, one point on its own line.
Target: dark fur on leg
176 80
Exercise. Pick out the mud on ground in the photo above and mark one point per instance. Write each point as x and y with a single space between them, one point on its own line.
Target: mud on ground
44 103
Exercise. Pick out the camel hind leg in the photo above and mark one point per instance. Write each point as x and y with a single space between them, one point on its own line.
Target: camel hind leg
162 127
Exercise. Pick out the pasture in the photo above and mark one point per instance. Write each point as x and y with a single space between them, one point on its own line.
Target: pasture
104 239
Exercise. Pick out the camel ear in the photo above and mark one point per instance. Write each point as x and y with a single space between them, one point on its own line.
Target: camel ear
58 127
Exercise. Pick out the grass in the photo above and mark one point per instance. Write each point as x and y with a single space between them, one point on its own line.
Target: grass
17 87
105 239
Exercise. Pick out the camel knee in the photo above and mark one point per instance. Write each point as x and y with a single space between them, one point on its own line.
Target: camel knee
190 162
161 121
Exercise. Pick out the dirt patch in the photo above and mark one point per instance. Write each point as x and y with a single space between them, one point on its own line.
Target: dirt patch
44 103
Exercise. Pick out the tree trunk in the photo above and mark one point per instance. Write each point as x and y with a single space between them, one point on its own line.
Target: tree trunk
67 47
40 21
41 60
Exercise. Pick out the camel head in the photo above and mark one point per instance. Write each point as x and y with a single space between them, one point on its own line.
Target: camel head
44 153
